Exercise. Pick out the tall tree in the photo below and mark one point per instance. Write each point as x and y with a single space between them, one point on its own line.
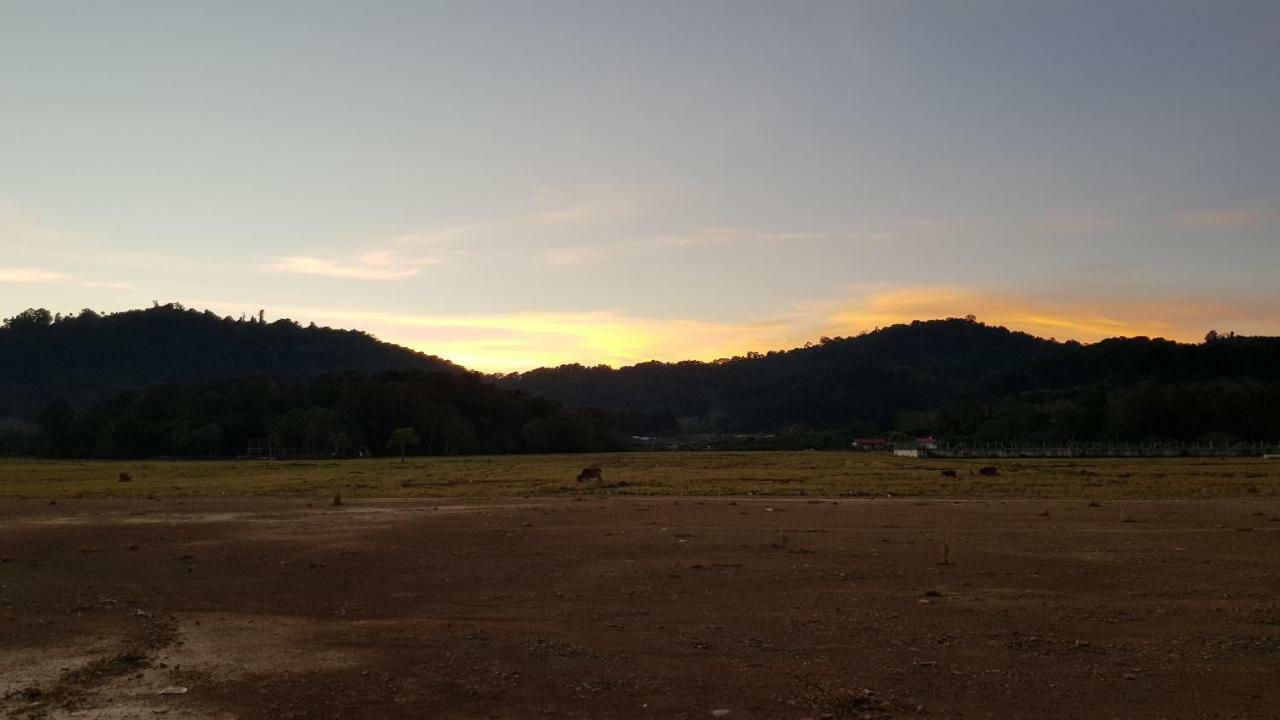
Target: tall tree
401 439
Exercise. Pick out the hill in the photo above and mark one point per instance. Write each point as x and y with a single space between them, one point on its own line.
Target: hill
168 381
88 357
957 378
143 381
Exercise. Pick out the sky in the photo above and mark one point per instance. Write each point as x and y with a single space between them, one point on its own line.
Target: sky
517 184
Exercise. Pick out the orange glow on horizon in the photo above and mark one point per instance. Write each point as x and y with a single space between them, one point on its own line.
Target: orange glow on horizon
518 341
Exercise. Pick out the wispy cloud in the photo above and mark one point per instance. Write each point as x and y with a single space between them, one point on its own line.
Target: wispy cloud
1228 219
123 286
370 266
585 205
1075 222
712 236
407 254
708 237
29 275
579 255
580 226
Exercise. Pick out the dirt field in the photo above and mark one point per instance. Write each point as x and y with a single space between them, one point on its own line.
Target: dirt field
748 607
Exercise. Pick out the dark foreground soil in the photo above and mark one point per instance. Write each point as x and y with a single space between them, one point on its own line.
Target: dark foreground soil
646 608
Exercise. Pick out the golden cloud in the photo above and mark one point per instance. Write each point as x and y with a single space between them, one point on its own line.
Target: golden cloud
1065 316
370 266
27 275
1227 219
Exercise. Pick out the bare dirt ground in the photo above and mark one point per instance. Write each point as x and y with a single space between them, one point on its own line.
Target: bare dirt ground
639 607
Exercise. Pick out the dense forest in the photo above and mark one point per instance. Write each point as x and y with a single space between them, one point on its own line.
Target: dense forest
173 381
169 381
958 379
88 356
439 413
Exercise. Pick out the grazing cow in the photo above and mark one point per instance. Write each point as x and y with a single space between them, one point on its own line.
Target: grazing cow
125 477
989 471
949 473
591 473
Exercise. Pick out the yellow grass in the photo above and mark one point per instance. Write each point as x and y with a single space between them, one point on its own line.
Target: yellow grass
818 474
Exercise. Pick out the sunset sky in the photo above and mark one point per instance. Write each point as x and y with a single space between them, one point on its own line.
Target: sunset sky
515 184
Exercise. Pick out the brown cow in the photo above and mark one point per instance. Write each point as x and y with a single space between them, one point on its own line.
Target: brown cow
591 473
125 477
989 471
949 473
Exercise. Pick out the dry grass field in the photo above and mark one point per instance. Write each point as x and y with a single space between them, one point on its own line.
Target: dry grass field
648 474
802 585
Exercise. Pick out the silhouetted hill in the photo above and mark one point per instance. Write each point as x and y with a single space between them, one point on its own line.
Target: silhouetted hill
954 377
89 357
844 382
143 381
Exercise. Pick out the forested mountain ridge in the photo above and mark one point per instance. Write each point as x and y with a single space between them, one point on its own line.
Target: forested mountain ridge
88 357
957 377
848 383
168 380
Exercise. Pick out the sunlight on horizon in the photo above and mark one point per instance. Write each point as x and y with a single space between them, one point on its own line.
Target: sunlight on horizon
524 341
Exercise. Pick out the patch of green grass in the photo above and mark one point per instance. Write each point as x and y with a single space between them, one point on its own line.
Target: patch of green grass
686 473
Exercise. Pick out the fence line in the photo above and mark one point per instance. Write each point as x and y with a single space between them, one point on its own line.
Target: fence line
1089 450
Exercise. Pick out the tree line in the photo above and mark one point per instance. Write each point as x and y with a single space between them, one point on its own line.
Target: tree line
413 411
173 381
958 378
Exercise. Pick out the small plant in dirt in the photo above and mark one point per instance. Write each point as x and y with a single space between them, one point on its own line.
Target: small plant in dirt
548 647
864 704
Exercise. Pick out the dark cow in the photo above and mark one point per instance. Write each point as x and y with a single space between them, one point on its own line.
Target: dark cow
591 473
989 471
125 477
949 473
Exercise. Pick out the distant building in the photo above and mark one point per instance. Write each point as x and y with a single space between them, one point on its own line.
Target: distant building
917 447
870 444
